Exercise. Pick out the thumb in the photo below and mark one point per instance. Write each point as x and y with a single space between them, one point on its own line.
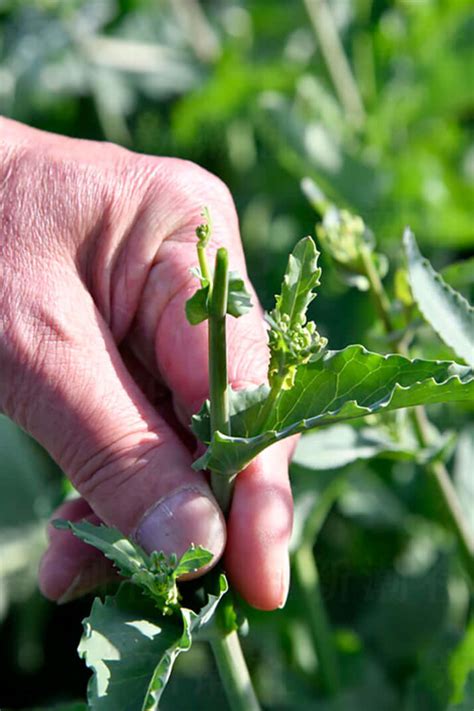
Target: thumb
63 380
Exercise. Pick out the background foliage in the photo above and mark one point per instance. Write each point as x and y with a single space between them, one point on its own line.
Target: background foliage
247 90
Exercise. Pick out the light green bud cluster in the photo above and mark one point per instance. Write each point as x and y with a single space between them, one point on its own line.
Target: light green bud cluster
344 234
160 581
291 344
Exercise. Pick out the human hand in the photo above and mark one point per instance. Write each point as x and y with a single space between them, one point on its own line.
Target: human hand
96 244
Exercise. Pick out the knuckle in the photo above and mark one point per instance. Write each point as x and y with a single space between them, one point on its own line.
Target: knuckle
188 174
182 189
111 470
101 472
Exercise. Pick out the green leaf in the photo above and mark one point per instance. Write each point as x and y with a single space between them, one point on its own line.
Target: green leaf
462 662
408 603
199 623
339 445
301 277
467 703
132 648
156 573
341 385
459 274
240 402
192 560
336 446
239 301
447 311
463 474
369 501
127 556
197 306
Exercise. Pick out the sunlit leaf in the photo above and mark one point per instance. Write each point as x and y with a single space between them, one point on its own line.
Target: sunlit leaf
197 307
340 386
464 474
447 311
131 647
239 301
336 446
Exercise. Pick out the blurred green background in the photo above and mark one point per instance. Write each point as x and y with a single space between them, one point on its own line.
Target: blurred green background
374 100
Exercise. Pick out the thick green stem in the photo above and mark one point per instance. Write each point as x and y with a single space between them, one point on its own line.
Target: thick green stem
226 646
307 578
436 470
217 346
218 386
234 673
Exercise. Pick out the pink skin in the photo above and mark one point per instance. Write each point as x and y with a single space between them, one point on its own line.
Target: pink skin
96 243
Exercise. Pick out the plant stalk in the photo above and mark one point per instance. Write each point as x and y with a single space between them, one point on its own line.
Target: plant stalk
218 347
201 250
225 646
218 386
381 300
234 673
307 577
436 470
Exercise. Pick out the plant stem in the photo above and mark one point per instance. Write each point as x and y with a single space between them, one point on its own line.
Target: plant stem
217 346
218 386
234 673
436 470
270 403
201 250
226 645
307 577
379 294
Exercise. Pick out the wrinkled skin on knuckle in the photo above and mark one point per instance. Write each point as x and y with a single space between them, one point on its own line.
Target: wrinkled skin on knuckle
117 477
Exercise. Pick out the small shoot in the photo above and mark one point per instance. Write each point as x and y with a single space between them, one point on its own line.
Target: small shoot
292 339
238 298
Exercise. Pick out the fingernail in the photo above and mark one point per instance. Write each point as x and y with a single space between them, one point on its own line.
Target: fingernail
285 583
184 517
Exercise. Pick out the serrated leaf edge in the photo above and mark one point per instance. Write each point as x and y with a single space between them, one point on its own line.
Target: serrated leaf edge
413 252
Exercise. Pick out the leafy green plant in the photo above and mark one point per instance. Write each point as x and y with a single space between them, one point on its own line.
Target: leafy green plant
132 639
